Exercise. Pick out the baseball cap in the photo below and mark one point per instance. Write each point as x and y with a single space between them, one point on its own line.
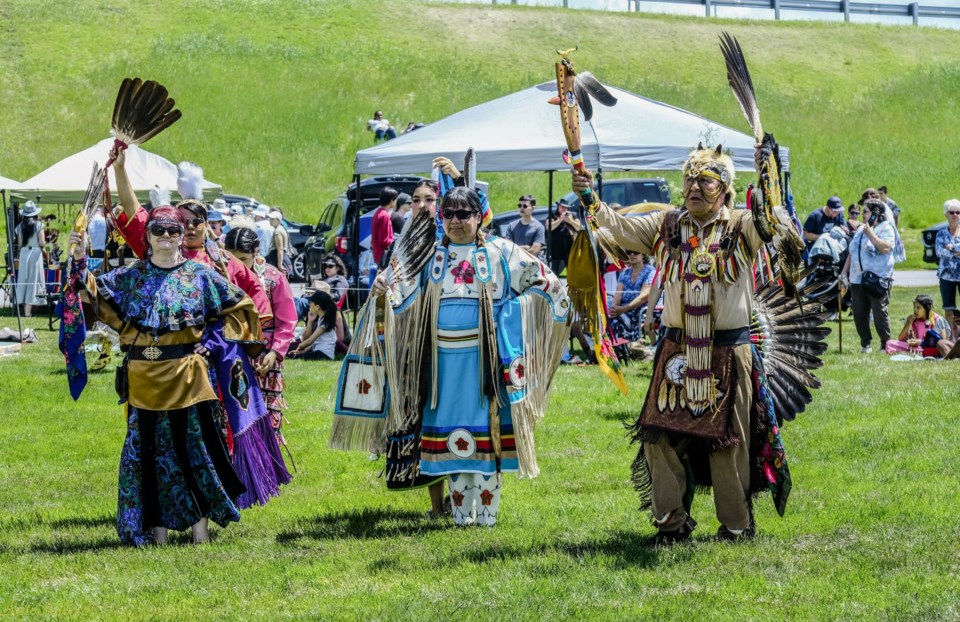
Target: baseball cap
215 215
262 210
835 203
275 214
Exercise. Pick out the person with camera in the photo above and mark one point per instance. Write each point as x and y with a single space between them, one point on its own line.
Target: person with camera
563 226
868 272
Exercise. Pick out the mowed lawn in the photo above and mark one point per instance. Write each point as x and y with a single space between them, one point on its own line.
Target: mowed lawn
871 530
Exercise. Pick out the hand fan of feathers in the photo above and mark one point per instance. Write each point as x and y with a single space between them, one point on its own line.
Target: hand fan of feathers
791 338
774 226
91 201
143 109
413 249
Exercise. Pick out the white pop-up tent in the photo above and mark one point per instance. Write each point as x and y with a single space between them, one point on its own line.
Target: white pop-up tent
67 180
521 132
8 184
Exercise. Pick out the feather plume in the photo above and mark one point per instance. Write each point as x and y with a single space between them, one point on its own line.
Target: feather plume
190 181
159 196
91 200
470 168
592 86
739 78
414 248
142 110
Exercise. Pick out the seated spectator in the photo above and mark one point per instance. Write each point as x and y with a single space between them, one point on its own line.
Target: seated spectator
380 127
527 233
630 299
320 335
335 275
366 262
923 331
823 219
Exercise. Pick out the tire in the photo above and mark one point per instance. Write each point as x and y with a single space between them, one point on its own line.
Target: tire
299 272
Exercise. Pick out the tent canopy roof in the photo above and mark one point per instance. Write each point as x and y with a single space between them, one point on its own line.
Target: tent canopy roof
67 180
521 132
8 184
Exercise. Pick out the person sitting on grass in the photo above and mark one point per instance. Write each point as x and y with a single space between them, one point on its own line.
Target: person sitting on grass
924 331
320 335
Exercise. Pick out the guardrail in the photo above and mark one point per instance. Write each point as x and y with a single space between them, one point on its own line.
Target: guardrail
914 10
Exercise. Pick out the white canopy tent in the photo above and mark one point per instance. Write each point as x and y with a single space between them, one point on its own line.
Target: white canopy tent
9 184
67 180
521 132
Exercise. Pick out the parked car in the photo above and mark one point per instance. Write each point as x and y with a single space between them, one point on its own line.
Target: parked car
297 238
630 191
334 231
929 238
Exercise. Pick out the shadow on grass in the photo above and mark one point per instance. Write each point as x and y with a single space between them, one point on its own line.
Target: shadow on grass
87 522
626 417
365 524
64 546
630 548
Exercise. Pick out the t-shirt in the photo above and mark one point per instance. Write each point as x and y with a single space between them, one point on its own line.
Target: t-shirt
265 234
818 223
526 234
381 233
396 219
97 230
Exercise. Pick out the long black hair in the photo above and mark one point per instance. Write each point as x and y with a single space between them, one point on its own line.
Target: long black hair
28 226
927 303
242 239
462 198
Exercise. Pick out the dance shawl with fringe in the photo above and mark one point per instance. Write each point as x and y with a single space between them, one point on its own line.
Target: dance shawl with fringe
519 353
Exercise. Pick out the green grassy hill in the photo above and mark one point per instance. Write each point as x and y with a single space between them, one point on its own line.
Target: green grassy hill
275 94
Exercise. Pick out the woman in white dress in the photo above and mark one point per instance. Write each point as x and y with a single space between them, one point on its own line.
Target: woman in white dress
31 287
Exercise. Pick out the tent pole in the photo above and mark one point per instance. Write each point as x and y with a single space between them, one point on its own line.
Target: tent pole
600 183
7 221
549 214
355 242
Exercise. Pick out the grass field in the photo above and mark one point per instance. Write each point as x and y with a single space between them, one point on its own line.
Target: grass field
870 531
275 94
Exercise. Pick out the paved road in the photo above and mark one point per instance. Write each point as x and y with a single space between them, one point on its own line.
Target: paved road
915 278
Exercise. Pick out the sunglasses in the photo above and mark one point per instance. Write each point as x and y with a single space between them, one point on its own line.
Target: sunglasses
459 214
523 205
195 222
954 213
329 265
173 231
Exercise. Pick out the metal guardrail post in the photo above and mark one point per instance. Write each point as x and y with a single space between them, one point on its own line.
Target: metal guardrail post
776 9
845 5
914 10
707 5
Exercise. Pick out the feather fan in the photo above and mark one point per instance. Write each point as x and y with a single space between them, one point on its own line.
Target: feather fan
791 338
143 109
91 201
413 249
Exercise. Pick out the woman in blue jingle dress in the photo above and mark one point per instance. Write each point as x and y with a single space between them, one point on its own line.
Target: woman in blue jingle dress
493 320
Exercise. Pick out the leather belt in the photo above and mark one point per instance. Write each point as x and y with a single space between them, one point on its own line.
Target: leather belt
726 337
161 353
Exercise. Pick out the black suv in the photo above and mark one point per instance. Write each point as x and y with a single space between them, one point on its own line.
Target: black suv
297 238
334 232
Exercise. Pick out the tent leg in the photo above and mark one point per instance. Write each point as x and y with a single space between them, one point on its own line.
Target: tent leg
549 214
10 278
355 243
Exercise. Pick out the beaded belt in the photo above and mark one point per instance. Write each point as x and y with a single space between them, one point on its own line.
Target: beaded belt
726 337
161 353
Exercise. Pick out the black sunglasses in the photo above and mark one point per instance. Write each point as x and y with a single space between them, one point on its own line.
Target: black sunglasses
172 231
459 214
195 222
329 265
522 205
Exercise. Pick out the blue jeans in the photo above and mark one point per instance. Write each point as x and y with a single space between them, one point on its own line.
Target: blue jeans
386 134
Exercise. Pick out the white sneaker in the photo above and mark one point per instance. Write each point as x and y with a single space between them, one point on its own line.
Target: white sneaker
866 350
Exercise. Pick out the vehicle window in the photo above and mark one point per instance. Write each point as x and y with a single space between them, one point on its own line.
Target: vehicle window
646 192
615 193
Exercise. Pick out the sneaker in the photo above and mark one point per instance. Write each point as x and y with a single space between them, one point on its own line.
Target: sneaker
669 538
866 350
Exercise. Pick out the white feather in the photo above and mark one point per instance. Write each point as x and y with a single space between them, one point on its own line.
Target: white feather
159 196
190 181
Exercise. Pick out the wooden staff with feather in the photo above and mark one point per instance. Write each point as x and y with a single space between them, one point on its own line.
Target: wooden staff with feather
774 220
584 280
